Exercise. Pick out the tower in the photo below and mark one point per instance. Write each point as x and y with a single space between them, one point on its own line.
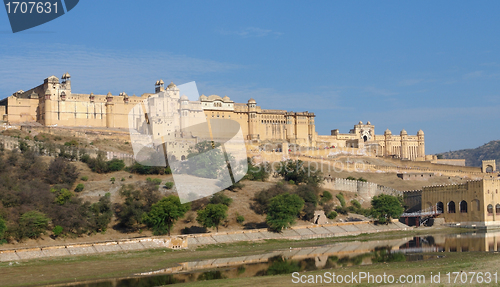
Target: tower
388 143
421 144
109 111
159 86
404 145
252 119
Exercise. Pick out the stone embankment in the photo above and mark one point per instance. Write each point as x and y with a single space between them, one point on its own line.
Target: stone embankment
185 241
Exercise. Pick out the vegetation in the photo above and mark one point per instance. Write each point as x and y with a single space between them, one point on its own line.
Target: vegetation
282 211
207 161
136 202
262 198
385 207
164 213
212 215
332 215
32 224
240 219
308 193
169 185
143 169
155 181
341 199
84 178
3 228
257 172
220 198
79 187
298 172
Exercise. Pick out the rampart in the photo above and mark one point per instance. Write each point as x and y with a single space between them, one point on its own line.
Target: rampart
363 189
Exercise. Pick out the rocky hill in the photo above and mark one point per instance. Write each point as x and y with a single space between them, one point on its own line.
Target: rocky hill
473 157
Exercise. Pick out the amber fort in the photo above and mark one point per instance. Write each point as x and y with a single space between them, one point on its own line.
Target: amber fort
53 103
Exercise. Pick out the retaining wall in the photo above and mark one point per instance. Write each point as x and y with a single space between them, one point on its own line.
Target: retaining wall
183 241
364 189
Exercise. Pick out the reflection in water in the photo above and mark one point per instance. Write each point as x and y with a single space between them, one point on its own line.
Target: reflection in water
311 258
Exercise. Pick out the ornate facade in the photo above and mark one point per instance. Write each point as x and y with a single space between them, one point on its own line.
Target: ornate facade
53 103
403 146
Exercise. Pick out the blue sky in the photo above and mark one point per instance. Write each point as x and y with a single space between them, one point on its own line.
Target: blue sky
428 65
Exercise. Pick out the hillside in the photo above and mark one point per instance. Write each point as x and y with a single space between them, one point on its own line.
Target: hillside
473 157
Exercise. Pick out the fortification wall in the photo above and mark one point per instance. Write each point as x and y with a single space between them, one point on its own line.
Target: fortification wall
363 189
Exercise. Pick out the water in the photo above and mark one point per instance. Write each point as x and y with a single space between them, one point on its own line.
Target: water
308 259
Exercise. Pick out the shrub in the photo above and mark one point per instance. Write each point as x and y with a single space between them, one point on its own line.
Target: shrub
212 215
341 199
32 224
113 180
220 198
85 178
123 179
350 178
332 215
299 172
155 181
79 187
115 165
291 182
362 179
57 230
262 198
257 172
327 196
3 227
342 210
356 204
169 185
240 219
327 207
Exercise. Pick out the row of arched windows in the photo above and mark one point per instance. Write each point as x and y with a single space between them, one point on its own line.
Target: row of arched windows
462 207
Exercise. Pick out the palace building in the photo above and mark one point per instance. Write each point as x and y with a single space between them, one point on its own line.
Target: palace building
53 103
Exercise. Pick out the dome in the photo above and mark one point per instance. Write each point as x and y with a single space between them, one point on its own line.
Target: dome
360 123
157 83
403 132
368 123
162 82
420 133
109 94
172 85
124 95
184 98
252 101
387 132
203 98
214 98
226 99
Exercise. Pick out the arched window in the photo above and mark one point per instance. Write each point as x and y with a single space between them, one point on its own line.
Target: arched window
490 209
463 206
451 207
440 207
497 208
183 157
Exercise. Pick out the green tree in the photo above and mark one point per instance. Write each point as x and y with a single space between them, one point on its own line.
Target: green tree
385 207
32 224
282 211
257 172
101 213
207 160
129 213
115 164
212 215
298 172
164 213
62 195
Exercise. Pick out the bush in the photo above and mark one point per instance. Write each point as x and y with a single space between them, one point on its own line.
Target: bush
299 172
123 179
341 199
385 207
350 178
57 230
327 196
212 215
220 198
84 178
3 227
79 187
32 224
362 179
169 185
332 215
257 172
155 181
356 204
112 179
240 219
164 214
115 165
291 182
342 210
